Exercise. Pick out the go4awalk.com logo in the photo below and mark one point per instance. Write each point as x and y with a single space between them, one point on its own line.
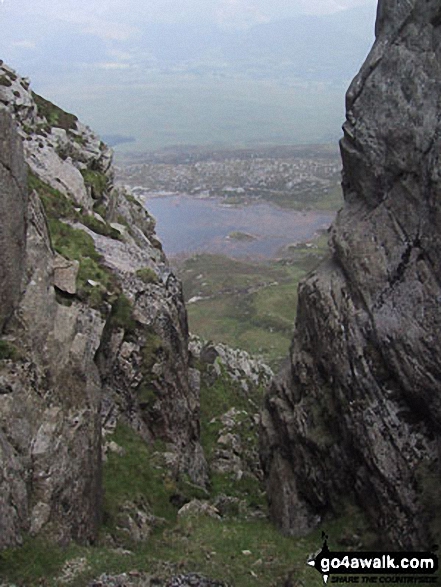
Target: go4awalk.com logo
402 568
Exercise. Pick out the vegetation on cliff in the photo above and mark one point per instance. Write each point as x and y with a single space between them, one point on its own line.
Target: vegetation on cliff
233 541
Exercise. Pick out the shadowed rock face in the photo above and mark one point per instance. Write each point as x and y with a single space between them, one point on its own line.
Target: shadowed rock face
357 415
13 197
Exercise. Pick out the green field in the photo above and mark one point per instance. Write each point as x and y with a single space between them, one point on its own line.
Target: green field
248 305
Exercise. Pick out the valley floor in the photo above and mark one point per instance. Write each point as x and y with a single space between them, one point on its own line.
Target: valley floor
248 305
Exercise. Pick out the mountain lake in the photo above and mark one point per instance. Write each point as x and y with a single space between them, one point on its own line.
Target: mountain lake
188 225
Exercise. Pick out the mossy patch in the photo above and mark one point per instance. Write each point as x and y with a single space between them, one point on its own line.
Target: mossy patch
153 344
5 81
93 280
96 181
79 139
131 198
8 350
33 561
56 204
103 228
147 275
100 209
135 476
54 115
121 315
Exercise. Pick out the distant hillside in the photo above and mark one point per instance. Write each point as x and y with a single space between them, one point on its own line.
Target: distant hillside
320 48
325 48
171 84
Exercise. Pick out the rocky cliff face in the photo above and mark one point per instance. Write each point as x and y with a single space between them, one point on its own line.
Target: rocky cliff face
12 207
93 325
357 414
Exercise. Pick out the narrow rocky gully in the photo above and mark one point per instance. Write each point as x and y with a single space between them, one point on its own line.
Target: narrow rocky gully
138 452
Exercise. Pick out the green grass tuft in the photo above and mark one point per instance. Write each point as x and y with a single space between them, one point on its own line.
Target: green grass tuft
130 198
135 476
56 204
152 346
33 561
54 115
147 275
75 244
103 228
97 182
5 81
121 315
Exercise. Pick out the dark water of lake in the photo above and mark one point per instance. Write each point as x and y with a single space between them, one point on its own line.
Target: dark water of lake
187 225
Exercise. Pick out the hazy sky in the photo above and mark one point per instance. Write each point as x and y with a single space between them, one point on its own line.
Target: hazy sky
98 58
29 26
119 19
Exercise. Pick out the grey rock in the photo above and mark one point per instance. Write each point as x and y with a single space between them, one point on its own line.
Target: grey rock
13 205
196 508
357 414
137 521
65 274
148 381
248 371
59 174
194 580
50 421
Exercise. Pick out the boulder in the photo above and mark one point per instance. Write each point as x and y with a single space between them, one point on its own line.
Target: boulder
65 274
196 508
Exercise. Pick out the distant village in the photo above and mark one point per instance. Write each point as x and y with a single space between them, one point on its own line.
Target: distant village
289 176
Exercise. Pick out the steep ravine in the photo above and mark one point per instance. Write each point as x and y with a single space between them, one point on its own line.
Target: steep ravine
356 416
95 362
128 449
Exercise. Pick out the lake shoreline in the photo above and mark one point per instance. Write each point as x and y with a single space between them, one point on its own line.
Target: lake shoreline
189 225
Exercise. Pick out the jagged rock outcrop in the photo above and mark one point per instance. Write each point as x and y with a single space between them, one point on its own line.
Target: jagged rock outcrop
93 326
49 401
357 414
